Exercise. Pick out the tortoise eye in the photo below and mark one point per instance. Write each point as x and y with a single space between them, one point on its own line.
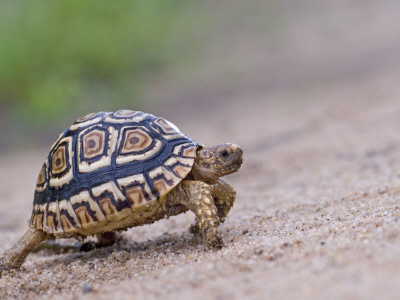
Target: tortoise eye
224 153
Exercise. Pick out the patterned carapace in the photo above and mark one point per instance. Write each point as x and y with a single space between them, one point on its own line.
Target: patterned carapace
107 165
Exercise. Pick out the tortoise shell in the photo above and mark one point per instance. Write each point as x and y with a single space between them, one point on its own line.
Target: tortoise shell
110 171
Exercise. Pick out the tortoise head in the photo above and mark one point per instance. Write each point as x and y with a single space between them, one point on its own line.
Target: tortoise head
217 161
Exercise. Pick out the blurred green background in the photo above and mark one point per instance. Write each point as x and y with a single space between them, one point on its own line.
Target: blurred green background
59 58
62 59
183 59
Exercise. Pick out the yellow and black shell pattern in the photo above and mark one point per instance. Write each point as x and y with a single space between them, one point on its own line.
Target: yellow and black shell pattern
105 167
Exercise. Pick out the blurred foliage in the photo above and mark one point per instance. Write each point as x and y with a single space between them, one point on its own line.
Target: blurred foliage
60 57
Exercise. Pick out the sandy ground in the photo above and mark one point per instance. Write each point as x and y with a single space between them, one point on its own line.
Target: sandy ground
317 214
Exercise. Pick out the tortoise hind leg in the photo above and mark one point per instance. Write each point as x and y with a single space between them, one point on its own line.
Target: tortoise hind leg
15 257
106 239
103 240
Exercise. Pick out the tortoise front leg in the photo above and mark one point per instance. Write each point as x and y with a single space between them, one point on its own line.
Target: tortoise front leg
196 196
224 196
15 257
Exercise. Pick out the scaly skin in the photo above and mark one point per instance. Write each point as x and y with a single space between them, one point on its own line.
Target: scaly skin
223 197
197 197
202 192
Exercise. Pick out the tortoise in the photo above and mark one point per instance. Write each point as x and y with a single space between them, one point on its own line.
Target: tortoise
110 171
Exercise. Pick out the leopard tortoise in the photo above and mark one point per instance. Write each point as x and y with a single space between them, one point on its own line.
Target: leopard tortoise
112 171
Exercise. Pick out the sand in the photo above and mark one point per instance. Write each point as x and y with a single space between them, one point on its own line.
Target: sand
317 216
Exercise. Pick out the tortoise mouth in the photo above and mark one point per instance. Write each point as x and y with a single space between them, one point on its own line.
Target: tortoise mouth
237 159
234 165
